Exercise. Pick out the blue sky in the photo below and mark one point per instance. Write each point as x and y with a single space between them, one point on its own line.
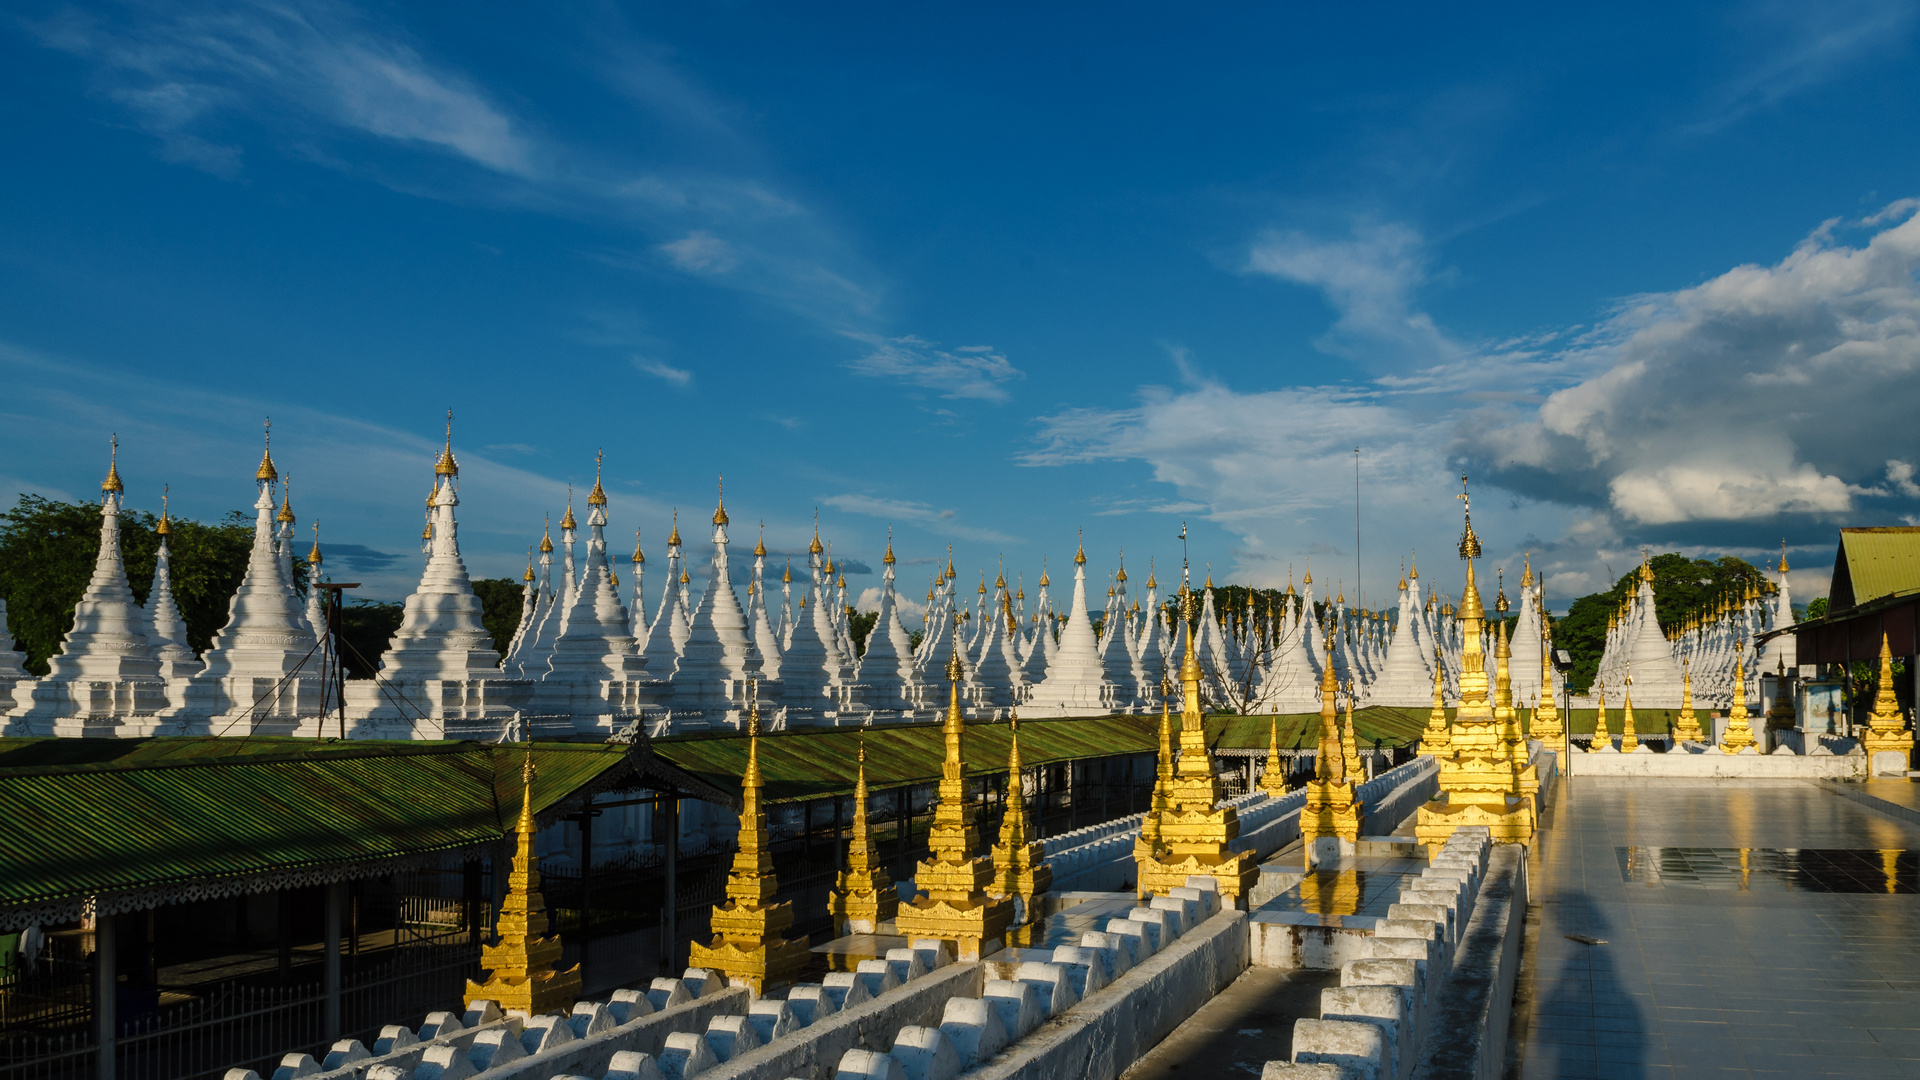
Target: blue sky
991 275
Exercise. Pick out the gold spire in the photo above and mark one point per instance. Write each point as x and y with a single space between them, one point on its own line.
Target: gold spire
786 576
112 483
1020 867
888 557
1629 738
639 557
1739 735
954 903
1080 556
1885 733
866 896
266 471
1414 573
1329 819
313 557
747 946
1546 713
1148 848
567 521
1602 738
1469 542
814 548
598 496
1273 781
165 525
1783 558
760 545
720 502
1349 738
528 576
1307 579
285 517
546 538
523 960
684 579
1687 729
1526 579
446 466
673 538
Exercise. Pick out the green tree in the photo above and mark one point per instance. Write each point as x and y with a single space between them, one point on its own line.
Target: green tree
859 625
1817 608
366 629
47 552
1681 587
501 600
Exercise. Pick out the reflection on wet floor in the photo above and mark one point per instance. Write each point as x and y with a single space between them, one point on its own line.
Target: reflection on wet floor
1824 870
1363 885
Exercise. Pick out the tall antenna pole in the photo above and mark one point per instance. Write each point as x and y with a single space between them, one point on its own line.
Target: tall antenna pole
1358 590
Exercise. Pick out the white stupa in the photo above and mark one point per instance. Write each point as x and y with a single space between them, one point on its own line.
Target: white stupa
894 690
104 680
810 669
166 630
667 633
595 679
1076 682
441 676
718 661
1406 674
263 668
16 682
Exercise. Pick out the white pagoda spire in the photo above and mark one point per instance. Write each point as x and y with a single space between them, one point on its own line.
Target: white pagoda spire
166 630
718 661
887 669
105 679
768 642
668 630
529 608
638 608
527 659
811 669
262 670
1076 684
594 672
442 662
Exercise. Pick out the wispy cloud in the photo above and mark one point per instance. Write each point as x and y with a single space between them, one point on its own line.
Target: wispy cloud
1792 47
968 371
944 522
701 252
679 377
1369 278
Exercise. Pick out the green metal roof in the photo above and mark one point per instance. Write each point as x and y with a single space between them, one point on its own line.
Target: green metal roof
93 817
1876 562
813 763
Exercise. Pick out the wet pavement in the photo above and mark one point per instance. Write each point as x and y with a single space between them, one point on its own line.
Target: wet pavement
1746 928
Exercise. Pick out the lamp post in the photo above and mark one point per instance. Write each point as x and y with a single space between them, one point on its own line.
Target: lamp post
1563 663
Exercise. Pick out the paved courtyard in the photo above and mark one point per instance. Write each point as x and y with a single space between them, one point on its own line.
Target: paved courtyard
1750 928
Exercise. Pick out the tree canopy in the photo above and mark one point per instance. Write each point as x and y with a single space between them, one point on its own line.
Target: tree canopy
1681 587
47 552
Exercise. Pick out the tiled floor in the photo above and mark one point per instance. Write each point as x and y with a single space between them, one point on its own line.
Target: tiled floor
1767 980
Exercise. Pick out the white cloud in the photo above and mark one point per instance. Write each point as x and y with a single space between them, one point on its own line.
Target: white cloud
1792 47
1369 277
679 377
174 66
912 612
969 371
1767 391
701 252
935 520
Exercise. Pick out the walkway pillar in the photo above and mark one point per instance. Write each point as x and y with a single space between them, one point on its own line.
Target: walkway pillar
106 984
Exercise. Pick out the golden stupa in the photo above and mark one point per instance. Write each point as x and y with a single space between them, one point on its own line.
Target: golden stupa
1886 733
1194 828
1020 867
747 947
865 896
1330 820
522 959
954 904
1481 781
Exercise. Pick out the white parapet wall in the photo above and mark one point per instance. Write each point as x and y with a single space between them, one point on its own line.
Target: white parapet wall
1696 762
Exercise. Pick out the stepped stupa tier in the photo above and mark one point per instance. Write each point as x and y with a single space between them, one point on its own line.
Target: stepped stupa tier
441 676
594 674
527 658
1076 683
166 629
263 669
105 679
1526 638
709 689
767 641
810 670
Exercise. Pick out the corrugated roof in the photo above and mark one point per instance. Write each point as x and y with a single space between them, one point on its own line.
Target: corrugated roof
813 763
1876 562
89 817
